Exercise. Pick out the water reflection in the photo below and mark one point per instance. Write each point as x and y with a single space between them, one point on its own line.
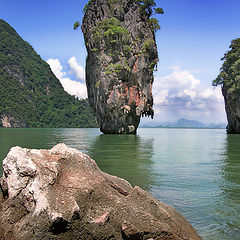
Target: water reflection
196 171
28 138
231 168
227 216
127 156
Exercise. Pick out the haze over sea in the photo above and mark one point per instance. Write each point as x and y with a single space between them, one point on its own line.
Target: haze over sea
194 170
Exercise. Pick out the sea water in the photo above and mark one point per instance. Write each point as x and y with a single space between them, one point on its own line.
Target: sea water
197 171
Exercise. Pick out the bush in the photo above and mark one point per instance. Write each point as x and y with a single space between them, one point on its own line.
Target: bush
148 9
230 70
111 36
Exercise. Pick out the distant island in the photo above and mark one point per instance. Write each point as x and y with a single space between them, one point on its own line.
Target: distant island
184 123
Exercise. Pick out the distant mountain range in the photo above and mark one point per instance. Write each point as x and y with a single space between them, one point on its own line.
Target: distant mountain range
183 123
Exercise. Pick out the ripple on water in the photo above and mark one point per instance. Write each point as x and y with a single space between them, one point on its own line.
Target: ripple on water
194 170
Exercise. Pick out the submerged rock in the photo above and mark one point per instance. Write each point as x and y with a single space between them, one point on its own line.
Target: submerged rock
122 54
62 194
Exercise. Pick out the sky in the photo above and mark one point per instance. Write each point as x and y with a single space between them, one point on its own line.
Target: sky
193 38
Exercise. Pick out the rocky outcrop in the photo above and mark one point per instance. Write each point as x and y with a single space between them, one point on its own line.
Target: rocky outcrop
9 121
232 109
122 54
62 194
229 80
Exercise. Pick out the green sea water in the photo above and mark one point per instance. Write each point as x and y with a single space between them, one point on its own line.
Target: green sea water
197 171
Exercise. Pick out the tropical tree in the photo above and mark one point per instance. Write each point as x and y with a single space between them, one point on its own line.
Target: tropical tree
230 70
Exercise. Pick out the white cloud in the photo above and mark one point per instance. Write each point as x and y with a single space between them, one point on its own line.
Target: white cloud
56 67
74 88
161 97
189 93
76 69
181 78
207 93
181 95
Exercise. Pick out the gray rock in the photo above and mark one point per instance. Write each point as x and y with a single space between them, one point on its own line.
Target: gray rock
232 107
122 54
8 121
62 194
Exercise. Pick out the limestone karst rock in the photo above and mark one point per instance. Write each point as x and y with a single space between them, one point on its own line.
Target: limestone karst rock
122 55
229 79
62 194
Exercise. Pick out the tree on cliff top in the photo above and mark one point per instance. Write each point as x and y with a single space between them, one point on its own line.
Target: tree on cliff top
148 8
230 70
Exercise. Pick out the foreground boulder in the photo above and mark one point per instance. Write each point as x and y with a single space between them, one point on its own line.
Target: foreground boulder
62 194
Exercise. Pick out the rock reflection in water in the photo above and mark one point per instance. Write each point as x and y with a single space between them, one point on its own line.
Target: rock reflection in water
227 216
127 156
194 170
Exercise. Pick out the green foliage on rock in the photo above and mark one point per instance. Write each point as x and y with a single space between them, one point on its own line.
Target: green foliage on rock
120 70
76 25
97 84
154 24
110 2
148 8
30 92
230 70
148 45
159 11
87 5
110 36
148 49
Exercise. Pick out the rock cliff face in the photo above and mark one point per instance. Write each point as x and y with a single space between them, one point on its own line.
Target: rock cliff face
62 194
232 107
229 79
9 121
122 54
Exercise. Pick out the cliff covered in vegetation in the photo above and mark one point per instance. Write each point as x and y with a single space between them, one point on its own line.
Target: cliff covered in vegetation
229 79
122 54
31 95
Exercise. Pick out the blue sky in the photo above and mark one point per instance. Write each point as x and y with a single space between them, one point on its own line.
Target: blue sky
194 36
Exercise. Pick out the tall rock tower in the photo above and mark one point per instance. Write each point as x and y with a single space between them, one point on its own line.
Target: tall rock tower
122 55
229 80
